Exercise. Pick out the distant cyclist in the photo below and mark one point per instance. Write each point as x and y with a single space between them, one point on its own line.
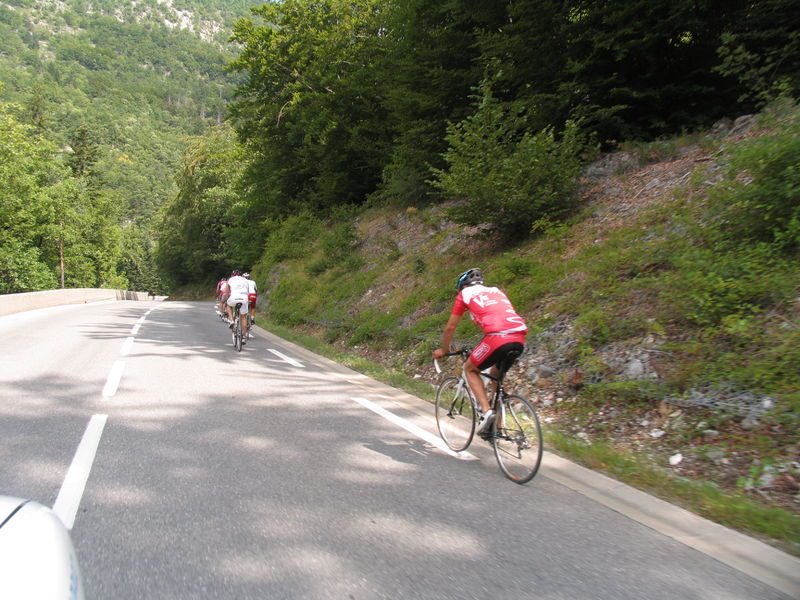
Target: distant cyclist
223 291
504 330
239 290
252 296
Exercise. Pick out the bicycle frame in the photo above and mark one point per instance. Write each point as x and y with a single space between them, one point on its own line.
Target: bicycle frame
463 383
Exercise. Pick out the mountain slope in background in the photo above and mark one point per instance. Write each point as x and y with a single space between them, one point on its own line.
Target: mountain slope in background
140 76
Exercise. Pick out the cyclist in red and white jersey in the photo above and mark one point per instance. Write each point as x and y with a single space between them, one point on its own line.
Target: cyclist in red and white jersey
504 330
252 297
223 291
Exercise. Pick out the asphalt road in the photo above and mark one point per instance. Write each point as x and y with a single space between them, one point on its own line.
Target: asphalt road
268 474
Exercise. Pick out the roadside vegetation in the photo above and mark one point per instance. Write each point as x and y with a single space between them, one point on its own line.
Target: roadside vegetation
703 276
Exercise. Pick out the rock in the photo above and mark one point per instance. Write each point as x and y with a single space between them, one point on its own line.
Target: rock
701 426
657 433
750 422
634 369
767 477
786 483
675 459
716 455
545 371
710 434
547 402
742 124
644 423
720 128
584 436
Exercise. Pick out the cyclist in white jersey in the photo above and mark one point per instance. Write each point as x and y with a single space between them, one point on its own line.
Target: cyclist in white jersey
239 290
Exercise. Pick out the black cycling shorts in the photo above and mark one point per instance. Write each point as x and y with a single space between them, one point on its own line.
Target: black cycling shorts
499 354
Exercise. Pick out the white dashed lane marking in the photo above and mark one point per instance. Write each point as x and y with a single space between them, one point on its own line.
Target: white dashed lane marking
411 428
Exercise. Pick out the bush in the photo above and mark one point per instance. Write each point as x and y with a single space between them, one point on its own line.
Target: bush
509 177
292 238
764 205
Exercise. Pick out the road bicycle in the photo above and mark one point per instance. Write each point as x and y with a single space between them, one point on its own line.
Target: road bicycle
236 331
515 434
250 323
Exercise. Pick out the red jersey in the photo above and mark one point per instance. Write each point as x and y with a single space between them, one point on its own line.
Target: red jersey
490 308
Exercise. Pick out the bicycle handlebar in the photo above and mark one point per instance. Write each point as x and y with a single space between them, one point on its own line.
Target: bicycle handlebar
463 352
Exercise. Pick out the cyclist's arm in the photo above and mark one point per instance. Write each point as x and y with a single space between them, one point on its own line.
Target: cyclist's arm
447 336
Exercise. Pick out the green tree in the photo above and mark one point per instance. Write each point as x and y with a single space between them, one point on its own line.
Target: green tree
431 63
308 111
26 171
761 49
192 243
85 151
507 176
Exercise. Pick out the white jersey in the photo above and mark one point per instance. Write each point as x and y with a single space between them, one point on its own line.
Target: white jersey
239 287
251 287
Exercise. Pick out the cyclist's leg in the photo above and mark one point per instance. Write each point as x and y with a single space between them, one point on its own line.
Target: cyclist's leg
252 298
475 382
229 309
243 312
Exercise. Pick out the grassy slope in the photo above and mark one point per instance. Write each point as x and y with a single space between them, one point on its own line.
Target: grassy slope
652 262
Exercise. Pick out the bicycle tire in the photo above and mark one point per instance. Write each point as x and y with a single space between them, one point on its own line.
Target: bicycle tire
455 414
237 333
517 439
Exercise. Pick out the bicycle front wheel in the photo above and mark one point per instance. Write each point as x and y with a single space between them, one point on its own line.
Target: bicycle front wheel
455 415
237 334
517 439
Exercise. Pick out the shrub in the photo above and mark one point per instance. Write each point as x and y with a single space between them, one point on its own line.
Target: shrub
291 238
764 204
509 177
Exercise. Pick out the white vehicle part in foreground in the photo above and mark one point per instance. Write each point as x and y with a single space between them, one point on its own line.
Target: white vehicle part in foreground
37 559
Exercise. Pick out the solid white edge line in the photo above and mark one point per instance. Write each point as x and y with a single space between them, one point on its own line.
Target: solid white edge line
135 329
285 358
126 346
411 428
141 319
113 379
69 496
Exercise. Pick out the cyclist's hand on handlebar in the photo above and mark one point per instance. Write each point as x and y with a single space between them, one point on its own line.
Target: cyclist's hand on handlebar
439 353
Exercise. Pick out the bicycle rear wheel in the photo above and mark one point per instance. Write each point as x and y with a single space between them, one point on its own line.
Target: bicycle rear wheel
237 333
517 439
455 416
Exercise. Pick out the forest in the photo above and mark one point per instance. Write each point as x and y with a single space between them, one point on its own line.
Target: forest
97 101
143 154
407 102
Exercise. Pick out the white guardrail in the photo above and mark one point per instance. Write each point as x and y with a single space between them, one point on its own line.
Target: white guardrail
13 303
